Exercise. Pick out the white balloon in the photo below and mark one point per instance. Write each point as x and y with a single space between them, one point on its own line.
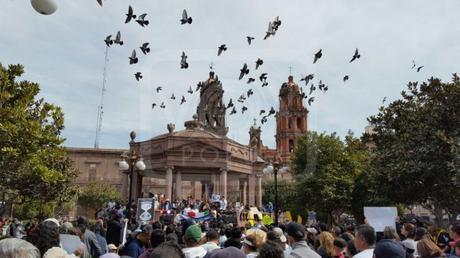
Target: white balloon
45 7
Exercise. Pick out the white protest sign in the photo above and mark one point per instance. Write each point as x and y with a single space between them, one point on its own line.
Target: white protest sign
380 217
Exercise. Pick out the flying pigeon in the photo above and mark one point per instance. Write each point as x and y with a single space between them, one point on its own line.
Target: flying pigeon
233 111
419 68
249 92
308 78
230 104
321 85
345 78
272 111
198 86
190 90
312 89
145 48
185 19
310 100
183 61
182 101
243 71
264 84
413 64
276 23
242 98
262 111
108 40
138 75
356 55
130 15
173 97
159 88
221 49
270 31
249 38
318 55
263 120
99 2
259 62
133 59
142 21
153 105
243 109
118 39
162 105
251 80
263 77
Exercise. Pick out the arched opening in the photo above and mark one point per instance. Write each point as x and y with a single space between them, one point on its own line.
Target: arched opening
291 145
299 123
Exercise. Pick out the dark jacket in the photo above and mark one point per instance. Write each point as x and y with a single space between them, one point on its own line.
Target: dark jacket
114 230
133 248
90 240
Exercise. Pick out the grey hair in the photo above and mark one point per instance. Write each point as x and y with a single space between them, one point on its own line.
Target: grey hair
18 248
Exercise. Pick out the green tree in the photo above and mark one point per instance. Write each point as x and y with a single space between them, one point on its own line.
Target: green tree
96 194
34 165
325 171
417 146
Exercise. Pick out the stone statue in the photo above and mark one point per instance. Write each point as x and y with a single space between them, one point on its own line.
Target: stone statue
171 127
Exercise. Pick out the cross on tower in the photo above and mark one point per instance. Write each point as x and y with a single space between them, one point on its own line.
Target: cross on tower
290 70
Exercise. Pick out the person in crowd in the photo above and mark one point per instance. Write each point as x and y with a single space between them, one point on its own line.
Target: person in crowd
350 228
277 235
351 249
192 239
222 236
326 245
339 246
167 249
70 240
229 252
212 238
408 231
454 233
18 248
457 249
89 238
112 252
234 238
439 236
428 249
46 239
100 233
157 237
251 245
136 246
114 230
312 235
271 250
296 239
347 236
388 248
365 241
336 231
390 233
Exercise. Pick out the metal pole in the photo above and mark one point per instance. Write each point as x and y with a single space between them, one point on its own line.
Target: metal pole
276 195
128 206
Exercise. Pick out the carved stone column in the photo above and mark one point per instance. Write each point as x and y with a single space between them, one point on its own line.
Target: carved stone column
178 185
245 191
252 192
259 191
169 182
223 182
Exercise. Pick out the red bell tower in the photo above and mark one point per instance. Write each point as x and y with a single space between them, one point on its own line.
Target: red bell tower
291 119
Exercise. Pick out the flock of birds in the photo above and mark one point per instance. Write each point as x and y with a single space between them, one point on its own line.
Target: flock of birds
273 27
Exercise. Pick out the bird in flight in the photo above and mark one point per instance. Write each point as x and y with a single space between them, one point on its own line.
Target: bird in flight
133 59
276 23
250 39
153 105
130 15
108 40
413 64
183 61
221 49
243 109
185 18
262 111
182 101
318 55
249 93
270 31
118 39
345 78
271 111
356 55
159 88
263 77
307 78
138 76
251 80
230 104
142 21
321 85
242 98
190 90
243 71
162 105
145 48
312 88
419 68
233 111
263 120
173 97
264 84
259 62
99 2
310 100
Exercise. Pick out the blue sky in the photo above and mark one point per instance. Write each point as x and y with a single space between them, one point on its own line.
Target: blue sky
64 52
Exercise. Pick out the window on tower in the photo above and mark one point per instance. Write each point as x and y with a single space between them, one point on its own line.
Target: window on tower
291 145
299 123
289 123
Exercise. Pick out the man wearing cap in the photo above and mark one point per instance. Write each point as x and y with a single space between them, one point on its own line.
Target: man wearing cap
296 239
135 247
388 248
192 239
112 252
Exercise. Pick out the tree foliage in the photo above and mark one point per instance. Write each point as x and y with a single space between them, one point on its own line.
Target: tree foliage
417 145
33 163
96 194
287 195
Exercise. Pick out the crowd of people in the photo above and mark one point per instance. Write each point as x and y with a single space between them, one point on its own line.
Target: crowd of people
107 237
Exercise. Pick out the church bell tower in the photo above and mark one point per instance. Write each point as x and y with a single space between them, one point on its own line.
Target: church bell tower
291 119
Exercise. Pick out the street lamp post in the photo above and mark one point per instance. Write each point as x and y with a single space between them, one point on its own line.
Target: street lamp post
274 168
129 161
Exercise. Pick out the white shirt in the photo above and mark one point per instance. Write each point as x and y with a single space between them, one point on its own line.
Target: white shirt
194 252
368 253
